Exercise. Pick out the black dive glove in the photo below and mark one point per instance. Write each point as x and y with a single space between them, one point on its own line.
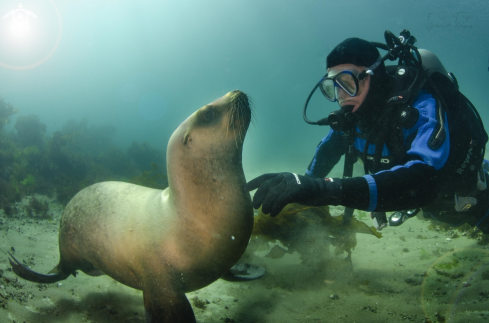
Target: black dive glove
276 190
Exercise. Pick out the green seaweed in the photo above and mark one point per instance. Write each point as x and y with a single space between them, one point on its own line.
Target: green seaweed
450 275
447 265
199 303
30 131
465 230
484 239
485 275
6 111
28 181
294 218
62 163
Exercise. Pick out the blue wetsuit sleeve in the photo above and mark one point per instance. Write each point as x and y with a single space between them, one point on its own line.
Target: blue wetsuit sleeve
328 153
413 184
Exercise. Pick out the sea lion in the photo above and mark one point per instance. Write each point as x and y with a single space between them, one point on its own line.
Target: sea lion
166 243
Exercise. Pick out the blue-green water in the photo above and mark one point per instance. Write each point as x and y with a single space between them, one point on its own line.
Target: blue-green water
143 67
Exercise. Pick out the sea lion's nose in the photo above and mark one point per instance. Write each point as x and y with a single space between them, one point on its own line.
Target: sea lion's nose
238 96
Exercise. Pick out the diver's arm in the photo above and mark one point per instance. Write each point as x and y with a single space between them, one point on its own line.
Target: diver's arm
411 185
327 155
401 188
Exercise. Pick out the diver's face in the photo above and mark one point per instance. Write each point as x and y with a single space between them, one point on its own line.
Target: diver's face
363 86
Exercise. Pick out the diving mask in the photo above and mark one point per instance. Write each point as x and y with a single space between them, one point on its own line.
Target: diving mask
345 80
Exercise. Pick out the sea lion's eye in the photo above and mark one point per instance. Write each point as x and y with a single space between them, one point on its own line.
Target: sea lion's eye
209 115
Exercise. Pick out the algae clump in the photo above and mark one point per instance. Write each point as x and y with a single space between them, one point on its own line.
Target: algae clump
295 218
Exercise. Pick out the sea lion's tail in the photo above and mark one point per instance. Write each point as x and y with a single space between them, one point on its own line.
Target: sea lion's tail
30 275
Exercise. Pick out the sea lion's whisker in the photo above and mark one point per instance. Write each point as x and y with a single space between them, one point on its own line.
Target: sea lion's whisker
251 104
242 115
242 131
236 113
240 118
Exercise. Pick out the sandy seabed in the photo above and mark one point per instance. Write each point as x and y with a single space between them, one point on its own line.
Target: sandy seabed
411 274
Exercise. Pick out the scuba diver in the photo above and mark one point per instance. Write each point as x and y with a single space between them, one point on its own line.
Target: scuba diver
421 141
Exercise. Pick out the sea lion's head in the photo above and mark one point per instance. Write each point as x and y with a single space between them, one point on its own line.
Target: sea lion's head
229 115
210 141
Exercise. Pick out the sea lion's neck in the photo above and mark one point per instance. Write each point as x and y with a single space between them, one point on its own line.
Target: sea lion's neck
206 179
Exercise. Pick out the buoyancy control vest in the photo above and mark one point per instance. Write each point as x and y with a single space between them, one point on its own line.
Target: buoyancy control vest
462 172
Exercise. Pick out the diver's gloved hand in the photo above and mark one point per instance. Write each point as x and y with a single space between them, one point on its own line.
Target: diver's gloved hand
276 190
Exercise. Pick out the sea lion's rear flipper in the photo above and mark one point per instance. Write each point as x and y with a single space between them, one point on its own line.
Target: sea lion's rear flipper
30 275
244 272
171 306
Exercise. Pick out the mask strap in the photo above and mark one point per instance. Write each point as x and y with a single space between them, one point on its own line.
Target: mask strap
370 70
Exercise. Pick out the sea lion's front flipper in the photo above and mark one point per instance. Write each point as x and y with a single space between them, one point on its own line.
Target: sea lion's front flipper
167 307
244 272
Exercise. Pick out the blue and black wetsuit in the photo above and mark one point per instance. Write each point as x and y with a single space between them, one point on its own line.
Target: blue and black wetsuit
415 181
